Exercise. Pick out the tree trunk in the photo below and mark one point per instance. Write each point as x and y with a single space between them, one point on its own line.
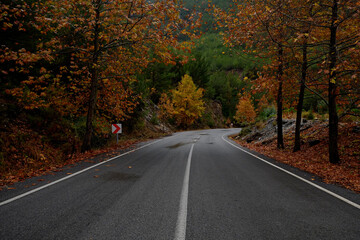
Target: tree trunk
279 101
91 111
300 104
333 117
94 83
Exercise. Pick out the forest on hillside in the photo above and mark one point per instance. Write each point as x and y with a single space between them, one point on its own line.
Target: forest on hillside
69 69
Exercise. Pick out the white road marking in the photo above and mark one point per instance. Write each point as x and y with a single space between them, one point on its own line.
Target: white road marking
180 232
195 139
72 175
298 177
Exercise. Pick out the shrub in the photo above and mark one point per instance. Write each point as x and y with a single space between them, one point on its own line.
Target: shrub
260 125
267 113
154 120
309 115
245 131
324 117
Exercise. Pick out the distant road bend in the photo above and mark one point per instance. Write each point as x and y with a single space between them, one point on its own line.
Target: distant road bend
192 185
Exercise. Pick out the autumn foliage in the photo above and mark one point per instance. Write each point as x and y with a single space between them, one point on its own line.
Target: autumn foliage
71 68
310 47
186 104
245 112
73 64
84 55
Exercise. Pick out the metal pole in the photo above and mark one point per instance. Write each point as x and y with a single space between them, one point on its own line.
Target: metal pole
117 138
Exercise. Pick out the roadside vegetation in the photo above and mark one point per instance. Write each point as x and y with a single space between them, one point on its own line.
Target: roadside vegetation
69 69
310 63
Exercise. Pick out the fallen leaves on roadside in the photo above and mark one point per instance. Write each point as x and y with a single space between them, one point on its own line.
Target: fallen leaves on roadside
16 174
315 159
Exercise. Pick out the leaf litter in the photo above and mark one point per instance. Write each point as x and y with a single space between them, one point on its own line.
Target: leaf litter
314 159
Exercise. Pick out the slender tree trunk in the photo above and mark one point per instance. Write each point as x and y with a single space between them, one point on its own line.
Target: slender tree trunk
94 83
279 101
301 98
333 117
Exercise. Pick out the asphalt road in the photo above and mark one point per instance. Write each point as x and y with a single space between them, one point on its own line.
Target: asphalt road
192 185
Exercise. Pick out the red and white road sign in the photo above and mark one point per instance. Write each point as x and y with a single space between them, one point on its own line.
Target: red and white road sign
116 128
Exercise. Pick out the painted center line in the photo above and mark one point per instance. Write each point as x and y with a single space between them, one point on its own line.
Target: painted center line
180 232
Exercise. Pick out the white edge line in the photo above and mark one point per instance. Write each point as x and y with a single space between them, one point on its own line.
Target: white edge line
298 177
180 231
72 175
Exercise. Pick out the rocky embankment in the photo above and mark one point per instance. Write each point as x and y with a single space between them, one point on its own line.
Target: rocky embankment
267 132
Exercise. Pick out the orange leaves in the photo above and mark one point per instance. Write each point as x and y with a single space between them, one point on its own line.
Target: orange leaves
245 112
166 107
127 31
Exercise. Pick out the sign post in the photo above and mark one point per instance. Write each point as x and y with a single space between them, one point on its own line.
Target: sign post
116 129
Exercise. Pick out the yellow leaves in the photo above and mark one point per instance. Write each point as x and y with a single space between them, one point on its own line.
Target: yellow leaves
186 105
